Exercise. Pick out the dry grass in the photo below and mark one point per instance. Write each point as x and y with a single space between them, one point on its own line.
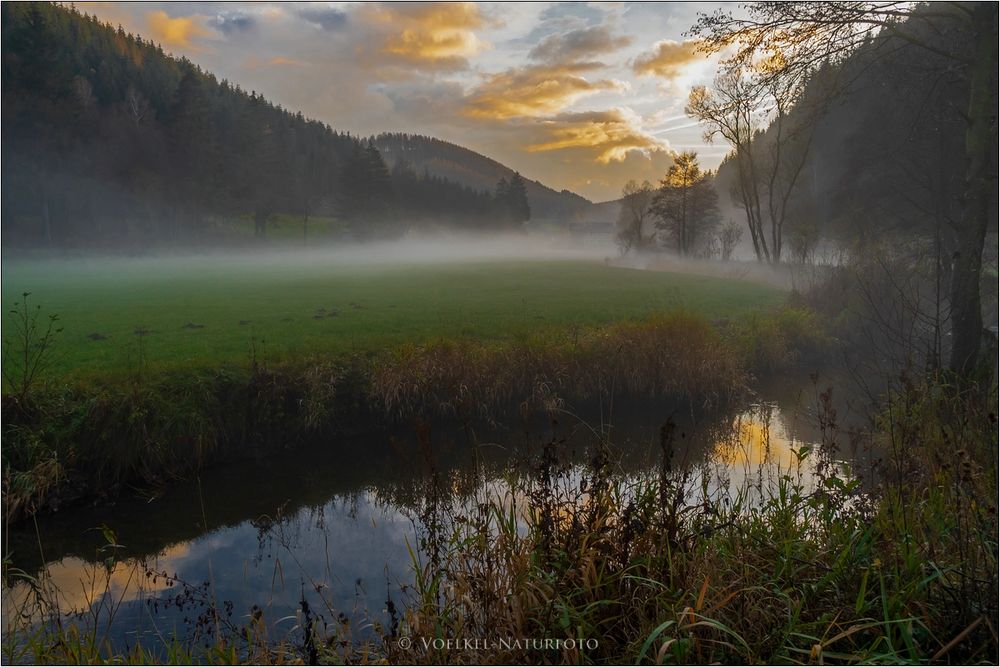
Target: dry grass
678 355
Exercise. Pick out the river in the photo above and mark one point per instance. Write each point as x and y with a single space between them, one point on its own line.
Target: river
338 525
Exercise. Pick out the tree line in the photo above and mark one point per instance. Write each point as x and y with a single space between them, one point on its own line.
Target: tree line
682 214
109 140
465 166
380 201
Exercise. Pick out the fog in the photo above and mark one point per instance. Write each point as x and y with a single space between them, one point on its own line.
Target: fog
785 276
441 248
432 248
412 250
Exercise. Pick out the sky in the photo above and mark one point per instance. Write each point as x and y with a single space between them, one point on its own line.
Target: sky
581 96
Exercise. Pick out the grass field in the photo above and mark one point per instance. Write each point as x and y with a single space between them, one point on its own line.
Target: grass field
204 311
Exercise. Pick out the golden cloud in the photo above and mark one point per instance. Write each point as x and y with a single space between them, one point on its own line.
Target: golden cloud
668 58
77 584
533 91
605 135
178 31
427 34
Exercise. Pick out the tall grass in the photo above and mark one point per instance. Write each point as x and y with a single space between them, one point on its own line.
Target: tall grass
678 355
897 569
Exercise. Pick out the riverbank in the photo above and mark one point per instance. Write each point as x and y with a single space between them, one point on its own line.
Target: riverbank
759 548
786 568
88 442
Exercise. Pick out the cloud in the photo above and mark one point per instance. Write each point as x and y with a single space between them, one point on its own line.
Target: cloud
586 12
427 102
534 91
668 58
178 32
327 18
604 136
232 22
276 61
423 35
578 44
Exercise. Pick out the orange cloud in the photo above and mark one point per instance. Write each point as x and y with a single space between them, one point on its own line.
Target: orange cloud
277 61
668 58
533 91
76 584
178 31
605 136
437 35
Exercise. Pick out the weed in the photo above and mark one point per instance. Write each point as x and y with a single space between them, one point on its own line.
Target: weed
28 352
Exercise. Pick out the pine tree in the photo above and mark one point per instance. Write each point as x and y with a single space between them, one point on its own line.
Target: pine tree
517 197
686 205
192 144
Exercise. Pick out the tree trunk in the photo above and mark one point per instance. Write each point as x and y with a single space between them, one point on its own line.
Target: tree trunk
980 145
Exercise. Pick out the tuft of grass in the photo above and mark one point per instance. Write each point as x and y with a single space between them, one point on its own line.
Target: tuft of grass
677 355
775 341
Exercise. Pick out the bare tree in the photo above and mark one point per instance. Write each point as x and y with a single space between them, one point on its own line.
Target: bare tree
795 39
803 239
770 147
729 237
136 106
634 215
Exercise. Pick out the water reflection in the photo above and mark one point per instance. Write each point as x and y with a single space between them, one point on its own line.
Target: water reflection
340 527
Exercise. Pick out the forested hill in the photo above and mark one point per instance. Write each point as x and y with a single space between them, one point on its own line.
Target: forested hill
107 140
880 140
459 164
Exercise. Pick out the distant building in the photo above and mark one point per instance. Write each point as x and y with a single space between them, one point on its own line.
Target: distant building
593 233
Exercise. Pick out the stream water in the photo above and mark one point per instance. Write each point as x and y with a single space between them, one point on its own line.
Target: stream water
336 525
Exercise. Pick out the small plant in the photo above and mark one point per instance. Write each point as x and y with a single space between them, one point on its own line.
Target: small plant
29 351
137 367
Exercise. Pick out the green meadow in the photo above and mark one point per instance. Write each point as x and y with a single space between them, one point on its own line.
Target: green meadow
203 311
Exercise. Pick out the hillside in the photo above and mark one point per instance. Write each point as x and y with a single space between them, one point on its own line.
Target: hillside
469 168
109 141
882 148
